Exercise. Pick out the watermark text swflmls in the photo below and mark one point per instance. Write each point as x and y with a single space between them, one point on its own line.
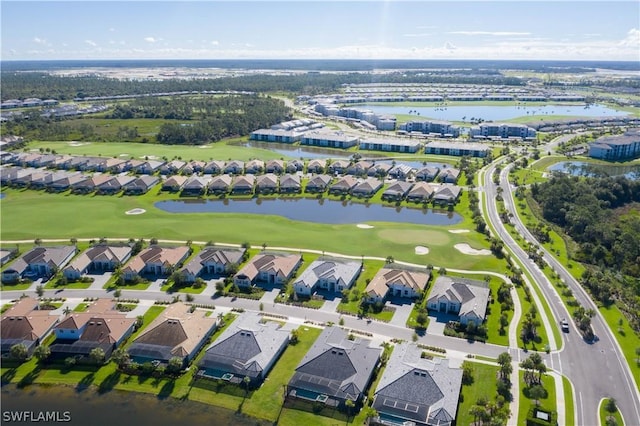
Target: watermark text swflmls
36 416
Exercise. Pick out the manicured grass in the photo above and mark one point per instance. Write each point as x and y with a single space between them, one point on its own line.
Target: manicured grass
568 402
15 287
78 285
548 403
484 385
148 316
542 332
81 307
216 151
369 270
604 414
628 340
20 220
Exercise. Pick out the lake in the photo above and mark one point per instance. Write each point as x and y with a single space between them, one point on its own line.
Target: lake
89 407
314 210
495 113
582 168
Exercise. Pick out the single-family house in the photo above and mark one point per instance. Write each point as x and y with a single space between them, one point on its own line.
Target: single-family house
359 168
215 167
66 182
243 184
417 391
234 167
98 258
147 167
254 166
343 185
294 166
463 297
367 187
427 173
331 275
317 165
99 326
174 183
290 183
111 165
61 162
335 369
397 191
338 167
47 180
248 348
396 283
268 269
178 332
24 180
193 166
155 260
220 184
318 183
401 171
212 261
141 185
90 184
449 175
446 193
172 167
267 184
196 185
24 323
114 185
275 166
6 254
379 169
39 262
420 192
76 163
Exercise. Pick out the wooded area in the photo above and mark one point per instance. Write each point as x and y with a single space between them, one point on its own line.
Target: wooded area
602 215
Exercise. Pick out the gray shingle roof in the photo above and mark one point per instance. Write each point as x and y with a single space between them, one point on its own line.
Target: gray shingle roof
247 347
418 389
342 272
336 366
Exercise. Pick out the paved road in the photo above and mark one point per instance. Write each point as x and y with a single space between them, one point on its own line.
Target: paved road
597 370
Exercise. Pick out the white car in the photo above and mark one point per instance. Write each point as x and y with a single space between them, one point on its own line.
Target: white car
564 324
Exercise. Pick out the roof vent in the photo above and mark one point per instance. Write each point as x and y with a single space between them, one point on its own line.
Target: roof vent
100 323
91 323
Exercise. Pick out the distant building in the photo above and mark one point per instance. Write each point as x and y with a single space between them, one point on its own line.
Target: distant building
441 128
622 147
503 131
457 148
331 139
391 145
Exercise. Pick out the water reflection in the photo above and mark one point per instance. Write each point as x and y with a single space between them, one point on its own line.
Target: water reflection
315 210
582 168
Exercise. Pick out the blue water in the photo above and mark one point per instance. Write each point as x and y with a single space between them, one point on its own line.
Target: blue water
582 168
314 210
495 113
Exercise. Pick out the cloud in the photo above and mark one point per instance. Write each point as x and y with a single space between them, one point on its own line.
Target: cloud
112 30
150 39
41 41
450 46
215 42
91 43
490 33
632 39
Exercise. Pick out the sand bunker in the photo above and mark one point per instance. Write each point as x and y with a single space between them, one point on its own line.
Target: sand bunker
465 248
123 155
74 143
135 211
422 250
459 231
149 157
364 226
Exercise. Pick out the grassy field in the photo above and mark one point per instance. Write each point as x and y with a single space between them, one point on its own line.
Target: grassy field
548 403
484 385
104 216
217 151
568 402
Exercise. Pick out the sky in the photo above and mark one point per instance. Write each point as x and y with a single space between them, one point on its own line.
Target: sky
366 29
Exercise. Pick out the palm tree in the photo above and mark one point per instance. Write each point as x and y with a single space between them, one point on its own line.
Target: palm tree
42 353
19 352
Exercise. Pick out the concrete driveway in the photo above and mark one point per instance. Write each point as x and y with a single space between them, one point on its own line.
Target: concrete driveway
402 314
99 280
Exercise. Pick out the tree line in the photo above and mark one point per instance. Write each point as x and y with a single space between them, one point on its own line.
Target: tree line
602 216
20 85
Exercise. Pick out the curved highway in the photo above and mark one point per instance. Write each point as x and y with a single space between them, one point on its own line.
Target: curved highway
598 369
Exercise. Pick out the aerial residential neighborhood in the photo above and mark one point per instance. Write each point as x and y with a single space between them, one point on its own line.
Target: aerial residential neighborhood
418 221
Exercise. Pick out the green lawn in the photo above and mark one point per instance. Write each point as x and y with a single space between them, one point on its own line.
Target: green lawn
21 220
548 403
484 385
603 413
568 402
